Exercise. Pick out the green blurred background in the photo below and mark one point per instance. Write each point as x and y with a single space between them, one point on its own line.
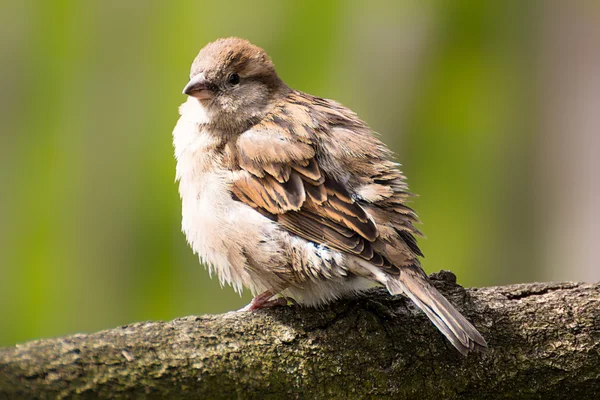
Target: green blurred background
492 107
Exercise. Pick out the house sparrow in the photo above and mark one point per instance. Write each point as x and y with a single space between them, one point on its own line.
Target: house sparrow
290 194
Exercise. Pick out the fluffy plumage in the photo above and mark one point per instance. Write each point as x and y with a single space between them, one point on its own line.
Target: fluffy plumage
288 193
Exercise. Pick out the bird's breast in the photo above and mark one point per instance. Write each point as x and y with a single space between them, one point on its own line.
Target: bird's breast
221 230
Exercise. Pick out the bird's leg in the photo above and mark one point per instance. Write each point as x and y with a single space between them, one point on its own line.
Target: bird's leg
264 300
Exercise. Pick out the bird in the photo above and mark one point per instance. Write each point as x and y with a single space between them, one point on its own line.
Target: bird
293 196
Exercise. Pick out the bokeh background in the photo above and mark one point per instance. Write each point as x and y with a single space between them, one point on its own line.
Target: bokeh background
492 107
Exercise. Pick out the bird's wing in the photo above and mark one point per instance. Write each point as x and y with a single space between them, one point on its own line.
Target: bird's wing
292 174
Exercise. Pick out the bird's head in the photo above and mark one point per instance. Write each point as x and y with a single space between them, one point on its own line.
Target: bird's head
234 82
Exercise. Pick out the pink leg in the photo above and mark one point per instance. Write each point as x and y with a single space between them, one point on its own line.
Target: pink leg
264 300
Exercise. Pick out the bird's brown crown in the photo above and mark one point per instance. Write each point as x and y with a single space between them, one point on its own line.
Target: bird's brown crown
232 54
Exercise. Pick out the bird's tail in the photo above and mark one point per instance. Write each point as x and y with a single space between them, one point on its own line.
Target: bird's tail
460 332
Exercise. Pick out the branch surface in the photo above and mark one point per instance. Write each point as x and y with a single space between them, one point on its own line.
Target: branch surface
544 343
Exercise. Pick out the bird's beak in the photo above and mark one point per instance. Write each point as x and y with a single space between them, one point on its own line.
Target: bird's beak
197 87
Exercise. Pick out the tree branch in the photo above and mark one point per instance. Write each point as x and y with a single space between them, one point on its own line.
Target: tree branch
544 342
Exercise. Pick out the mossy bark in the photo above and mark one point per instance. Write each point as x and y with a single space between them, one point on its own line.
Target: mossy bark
544 343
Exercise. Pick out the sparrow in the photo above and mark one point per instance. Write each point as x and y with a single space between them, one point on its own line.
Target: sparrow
292 196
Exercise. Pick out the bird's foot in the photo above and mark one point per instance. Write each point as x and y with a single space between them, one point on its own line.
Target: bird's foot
265 300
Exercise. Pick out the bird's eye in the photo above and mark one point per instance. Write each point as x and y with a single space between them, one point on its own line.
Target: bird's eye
234 79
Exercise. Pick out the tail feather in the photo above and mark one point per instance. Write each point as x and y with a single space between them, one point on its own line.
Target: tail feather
460 332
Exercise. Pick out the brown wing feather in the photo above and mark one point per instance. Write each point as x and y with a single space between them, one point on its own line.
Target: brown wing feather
344 228
281 177
317 193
